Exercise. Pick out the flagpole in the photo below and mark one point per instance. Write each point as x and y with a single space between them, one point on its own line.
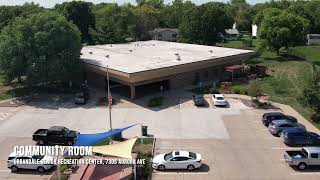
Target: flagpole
109 102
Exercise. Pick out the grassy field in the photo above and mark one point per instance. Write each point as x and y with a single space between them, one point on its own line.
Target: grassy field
287 75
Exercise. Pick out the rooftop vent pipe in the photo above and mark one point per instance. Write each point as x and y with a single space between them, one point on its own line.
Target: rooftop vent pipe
178 56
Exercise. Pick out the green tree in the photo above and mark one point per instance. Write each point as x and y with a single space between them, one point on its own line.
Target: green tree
240 12
282 30
312 8
172 15
113 24
146 18
9 13
311 95
79 12
205 24
43 47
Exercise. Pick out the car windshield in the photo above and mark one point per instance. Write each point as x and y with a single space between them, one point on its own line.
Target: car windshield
220 98
66 131
192 155
37 157
168 156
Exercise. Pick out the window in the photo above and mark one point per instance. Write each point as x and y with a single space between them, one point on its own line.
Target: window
206 74
220 98
174 159
168 156
314 37
174 35
159 35
314 155
179 159
192 155
183 158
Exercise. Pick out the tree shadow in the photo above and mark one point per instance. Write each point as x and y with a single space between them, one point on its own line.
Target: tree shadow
283 57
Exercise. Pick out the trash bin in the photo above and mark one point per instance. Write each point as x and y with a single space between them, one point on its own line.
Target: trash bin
117 137
144 130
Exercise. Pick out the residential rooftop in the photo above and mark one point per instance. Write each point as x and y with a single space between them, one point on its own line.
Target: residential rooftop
149 55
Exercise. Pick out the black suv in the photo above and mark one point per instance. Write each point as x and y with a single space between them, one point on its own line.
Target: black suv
267 118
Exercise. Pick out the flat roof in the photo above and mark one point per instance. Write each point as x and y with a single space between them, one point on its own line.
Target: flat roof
148 55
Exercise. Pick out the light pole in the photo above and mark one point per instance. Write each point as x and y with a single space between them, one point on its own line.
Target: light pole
109 101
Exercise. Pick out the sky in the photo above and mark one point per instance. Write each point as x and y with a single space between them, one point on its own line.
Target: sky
51 3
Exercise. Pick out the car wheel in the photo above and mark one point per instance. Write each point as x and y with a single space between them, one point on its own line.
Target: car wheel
190 167
302 166
161 167
70 143
14 169
41 142
41 169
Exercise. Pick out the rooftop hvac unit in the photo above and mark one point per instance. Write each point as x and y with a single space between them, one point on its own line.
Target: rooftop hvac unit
178 56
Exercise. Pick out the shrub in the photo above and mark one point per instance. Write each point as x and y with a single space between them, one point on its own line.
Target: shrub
315 118
237 90
254 89
145 169
240 90
246 42
156 101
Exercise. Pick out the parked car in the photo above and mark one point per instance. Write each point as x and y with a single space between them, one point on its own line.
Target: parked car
277 126
35 162
55 135
82 96
271 116
199 100
219 100
307 156
298 136
177 160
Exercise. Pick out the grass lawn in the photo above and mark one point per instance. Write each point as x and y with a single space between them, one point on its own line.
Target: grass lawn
286 76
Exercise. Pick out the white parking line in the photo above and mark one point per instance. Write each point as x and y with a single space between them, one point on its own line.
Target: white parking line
263 129
305 173
284 148
4 115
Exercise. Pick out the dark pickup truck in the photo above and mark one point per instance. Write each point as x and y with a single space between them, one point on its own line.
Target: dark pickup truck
55 135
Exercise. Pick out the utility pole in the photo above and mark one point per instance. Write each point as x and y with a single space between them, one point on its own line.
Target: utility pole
109 102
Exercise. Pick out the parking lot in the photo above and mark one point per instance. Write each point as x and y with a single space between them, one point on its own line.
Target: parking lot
232 140
250 152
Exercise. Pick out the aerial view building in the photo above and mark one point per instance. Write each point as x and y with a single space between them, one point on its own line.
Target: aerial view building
156 64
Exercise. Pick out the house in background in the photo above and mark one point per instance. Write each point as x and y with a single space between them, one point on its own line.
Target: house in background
313 39
164 34
231 34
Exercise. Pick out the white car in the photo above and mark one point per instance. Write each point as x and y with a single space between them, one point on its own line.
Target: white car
35 162
177 160
219 100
